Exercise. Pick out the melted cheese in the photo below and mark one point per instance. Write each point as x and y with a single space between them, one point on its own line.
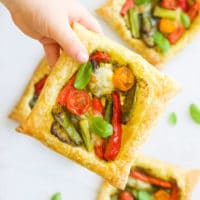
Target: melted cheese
101 81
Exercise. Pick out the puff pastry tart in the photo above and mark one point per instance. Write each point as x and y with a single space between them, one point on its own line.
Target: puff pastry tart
156 29
151 179
31 93
98 113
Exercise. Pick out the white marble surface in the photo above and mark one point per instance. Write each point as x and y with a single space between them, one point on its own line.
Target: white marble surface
29 170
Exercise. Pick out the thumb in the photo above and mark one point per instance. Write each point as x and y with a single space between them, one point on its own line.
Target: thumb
70 43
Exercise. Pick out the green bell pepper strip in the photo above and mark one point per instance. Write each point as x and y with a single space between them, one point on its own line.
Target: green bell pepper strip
146 24
84 128
161 41
139 2
100 127
166 13
127 108
144 195
83 76
134 22
108 111
61 117
185 20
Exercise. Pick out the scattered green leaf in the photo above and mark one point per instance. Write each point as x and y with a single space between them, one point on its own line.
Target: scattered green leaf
56 196
195 113
173 119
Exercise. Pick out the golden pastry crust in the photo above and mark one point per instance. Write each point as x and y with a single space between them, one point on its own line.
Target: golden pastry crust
154 92
110 11
22 109
185 179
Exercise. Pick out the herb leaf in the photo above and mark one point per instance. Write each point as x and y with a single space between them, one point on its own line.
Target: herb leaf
173 119
56 196
195 113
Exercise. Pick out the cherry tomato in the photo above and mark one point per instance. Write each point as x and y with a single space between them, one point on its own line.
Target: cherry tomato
124 195
123 78
78 101
161 195
64 92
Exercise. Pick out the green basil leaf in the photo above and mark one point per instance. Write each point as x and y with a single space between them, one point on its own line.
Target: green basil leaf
173 119
83 76
195 113
56 196
100 127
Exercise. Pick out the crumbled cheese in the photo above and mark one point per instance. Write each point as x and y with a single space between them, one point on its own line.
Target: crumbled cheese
101 81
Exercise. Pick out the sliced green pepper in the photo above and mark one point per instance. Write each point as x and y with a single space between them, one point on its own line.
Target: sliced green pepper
108 111
146 24
185 20
127 107
61 117
139 2
84 127
100 127
165 13
83 76
134 22
144 195
161 41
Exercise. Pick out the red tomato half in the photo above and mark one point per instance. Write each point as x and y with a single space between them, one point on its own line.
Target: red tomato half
78 101
64 92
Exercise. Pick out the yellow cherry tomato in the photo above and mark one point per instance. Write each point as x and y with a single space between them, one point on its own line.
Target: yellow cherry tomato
123 78
161 195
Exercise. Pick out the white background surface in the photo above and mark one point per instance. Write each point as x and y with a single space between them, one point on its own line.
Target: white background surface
30 171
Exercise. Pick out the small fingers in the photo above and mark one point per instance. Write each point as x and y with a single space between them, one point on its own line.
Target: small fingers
71 44
52 51
87 20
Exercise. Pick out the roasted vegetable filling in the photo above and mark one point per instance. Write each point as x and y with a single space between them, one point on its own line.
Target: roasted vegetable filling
37 90
93 105
159 23
141 186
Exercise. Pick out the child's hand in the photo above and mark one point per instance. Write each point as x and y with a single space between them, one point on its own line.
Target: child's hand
49 22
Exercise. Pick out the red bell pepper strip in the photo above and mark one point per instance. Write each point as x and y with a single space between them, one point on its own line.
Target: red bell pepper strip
125 195
127 5
97 107
169 4
40 85
175 36
100 57
99 150
183 4
149 179
174 193
193 11
64 92
114 141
